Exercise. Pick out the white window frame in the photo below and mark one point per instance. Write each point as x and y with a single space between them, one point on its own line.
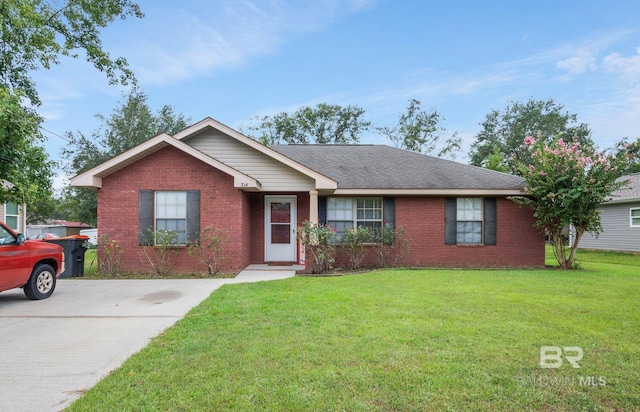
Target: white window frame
17 216
349 213
173 213
473 215
632 217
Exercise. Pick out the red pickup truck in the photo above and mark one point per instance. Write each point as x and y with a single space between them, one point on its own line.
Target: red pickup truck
31 265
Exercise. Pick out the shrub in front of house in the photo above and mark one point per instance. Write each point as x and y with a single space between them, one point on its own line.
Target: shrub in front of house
353 243
319 244
208 249
109 256
160 252
390 245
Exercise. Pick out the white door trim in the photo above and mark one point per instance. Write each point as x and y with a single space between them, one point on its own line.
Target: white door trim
282 252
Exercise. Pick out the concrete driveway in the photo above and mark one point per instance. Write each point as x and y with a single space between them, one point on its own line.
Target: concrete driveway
53 350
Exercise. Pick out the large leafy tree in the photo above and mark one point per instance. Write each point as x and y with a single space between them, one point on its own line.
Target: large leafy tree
130 124
322 124
499 143
420 131
628 154
34 34
566 182
20 176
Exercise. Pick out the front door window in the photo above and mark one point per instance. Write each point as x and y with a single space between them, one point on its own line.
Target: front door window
280 222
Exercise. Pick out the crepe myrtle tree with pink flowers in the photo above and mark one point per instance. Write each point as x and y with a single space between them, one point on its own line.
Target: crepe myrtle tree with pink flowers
565 184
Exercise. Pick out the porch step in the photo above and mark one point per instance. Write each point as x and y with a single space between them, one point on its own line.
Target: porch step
278 268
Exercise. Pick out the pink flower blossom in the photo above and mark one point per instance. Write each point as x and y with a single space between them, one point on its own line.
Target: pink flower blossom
532 168
529 140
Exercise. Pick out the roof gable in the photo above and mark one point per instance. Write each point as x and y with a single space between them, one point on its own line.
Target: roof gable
191 133
93 177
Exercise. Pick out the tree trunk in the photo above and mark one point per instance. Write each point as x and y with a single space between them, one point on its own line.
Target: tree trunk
574 248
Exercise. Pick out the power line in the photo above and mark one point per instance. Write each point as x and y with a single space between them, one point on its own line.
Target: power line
56 134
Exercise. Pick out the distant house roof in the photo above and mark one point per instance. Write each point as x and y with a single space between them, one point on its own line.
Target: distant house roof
378 168
629 193
66 223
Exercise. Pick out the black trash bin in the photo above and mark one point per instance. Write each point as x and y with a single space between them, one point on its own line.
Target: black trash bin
74 248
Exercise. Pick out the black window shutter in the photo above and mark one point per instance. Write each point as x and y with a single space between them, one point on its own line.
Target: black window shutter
389 211
322 210
193 215
145 217
490 221
450 220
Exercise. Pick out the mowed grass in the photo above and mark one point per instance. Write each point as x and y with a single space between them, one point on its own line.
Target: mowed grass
397 340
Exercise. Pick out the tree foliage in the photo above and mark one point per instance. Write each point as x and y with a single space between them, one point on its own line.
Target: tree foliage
502 132
566 182
25 171
34 34
131 123
322 124
420 131
628 155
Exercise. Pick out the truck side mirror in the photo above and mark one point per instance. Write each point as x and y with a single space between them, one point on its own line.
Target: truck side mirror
20 239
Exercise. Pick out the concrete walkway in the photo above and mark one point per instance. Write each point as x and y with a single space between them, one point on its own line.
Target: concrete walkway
259 273
54 350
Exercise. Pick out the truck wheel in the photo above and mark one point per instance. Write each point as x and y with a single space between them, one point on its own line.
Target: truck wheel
41 283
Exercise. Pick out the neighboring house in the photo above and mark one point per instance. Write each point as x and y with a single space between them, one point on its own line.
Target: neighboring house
620 220
455 215
57 227
13 215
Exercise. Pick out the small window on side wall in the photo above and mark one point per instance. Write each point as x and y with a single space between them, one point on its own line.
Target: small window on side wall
11 215
634 216
174 211
470 220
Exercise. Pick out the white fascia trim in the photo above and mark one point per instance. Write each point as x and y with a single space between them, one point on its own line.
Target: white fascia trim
93 177
428 192
322 181
620 200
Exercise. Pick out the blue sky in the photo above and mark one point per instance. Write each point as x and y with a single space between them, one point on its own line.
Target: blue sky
234 59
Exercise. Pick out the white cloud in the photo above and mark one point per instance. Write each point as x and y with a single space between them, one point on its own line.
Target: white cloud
180 44
583 61
626 66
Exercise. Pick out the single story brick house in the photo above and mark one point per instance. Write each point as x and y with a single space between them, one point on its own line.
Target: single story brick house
620 217
454 215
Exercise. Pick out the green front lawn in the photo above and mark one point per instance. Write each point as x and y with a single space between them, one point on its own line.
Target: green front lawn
397 340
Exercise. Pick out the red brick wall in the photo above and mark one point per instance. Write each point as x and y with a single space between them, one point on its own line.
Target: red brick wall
241 217
221 205
519 244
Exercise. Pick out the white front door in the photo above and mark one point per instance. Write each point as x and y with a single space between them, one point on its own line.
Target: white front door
280 228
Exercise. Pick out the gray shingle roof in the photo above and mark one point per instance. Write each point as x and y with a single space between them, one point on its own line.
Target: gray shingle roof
385 167
631 191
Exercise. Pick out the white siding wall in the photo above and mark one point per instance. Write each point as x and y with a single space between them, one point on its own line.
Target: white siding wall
617 233
273 175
